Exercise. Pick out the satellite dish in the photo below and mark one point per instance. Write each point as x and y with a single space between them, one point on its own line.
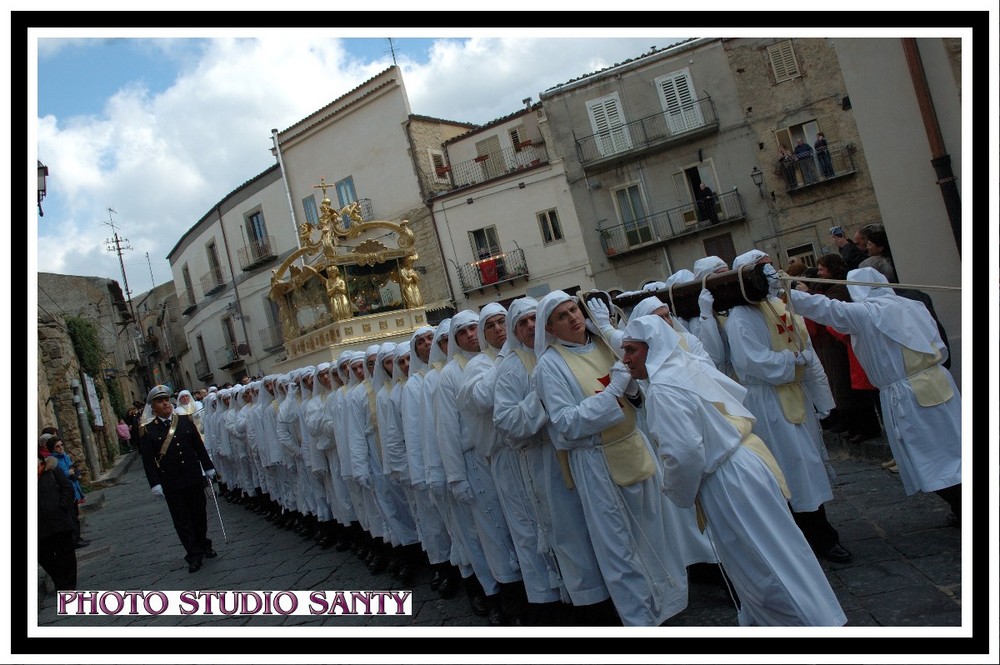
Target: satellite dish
243 349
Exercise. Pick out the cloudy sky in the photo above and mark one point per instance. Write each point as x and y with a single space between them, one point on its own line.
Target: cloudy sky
158 129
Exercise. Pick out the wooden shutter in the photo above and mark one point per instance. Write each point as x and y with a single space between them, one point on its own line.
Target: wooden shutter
679 101
783 61
608 122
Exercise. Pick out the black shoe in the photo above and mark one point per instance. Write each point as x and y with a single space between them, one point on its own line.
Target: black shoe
405 574
436 580
211 554
953 521
82 543
837 553
448 586
379 564
495 616
194 566
480 606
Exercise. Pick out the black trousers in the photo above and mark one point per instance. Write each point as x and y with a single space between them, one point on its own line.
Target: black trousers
57 555
817 529
187 510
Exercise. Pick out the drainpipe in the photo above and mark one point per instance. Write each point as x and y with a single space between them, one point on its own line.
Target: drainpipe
940 159
93 459
236 290
288 191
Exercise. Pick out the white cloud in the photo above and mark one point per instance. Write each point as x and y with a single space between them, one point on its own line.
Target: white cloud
162 160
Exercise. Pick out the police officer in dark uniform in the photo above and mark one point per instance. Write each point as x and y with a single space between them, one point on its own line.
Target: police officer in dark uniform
175 473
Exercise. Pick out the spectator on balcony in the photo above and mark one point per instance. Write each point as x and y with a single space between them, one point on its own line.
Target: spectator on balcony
706 204
804 155
823 155
786 162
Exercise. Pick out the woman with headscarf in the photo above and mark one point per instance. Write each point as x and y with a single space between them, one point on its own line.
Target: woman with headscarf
711 460
897 343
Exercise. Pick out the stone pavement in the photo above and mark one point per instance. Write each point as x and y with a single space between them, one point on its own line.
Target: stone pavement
906 569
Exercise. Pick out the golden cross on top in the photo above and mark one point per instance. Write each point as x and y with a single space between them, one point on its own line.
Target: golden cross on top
322 185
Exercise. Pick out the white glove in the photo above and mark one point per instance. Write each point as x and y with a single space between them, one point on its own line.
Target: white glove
621 380
775 286
823 415
600 313
462 491
210 473
805 357
365 481
705 302
157 491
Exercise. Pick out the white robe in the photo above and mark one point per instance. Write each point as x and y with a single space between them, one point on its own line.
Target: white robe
642 569
798 448
338 493
926 442
772 567
554 554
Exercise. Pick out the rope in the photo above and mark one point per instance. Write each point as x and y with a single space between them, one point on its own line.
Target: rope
670 294
818 280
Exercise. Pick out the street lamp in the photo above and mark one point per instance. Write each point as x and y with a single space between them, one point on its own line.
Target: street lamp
43 171
758 179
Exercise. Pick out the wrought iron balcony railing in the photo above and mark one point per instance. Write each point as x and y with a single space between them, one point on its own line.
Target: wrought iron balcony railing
212 282
818 168
495 164
228 356
671 223
654 131
493 270
202 369
257 253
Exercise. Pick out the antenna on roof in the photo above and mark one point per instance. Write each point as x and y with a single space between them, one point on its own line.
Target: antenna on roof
392 50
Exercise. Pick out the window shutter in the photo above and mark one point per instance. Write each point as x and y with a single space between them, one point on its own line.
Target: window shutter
608 122
679 101
783 61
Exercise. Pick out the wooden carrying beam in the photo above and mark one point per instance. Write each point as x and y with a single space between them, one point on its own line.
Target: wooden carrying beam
725 287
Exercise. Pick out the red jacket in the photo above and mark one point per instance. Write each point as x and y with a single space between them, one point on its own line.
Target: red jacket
859 380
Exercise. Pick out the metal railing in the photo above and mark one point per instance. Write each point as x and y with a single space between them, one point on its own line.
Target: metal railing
495 164
227 356
271 337
797 174
202 369
493 270
258 252
692 118
188 302
212 282
670 223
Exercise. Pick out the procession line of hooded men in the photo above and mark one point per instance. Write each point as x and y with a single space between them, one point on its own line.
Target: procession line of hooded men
543 475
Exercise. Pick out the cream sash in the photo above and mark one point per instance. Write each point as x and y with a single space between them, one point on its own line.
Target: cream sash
757 446
927 378
625 449
373 410
529 361
787 332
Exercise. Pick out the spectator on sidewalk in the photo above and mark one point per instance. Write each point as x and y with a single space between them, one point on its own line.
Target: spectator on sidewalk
56 553
57 451
124 435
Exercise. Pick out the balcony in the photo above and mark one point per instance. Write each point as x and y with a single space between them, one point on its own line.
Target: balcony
212 282
801 174
647 135
669 224
271 338
188 303
228 356
495 164
202 370
493 271
257 253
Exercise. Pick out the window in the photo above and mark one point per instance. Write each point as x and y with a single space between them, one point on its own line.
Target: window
188 288
490 158
517 136
229 331
484 242
721 246
312 213
201 349
608 123
680 105
213 262
632 213
805 253
256 230
783 62
438 164
345 191
789 136
551 230
687 183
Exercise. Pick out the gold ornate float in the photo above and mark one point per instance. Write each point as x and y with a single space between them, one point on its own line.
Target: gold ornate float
351 282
